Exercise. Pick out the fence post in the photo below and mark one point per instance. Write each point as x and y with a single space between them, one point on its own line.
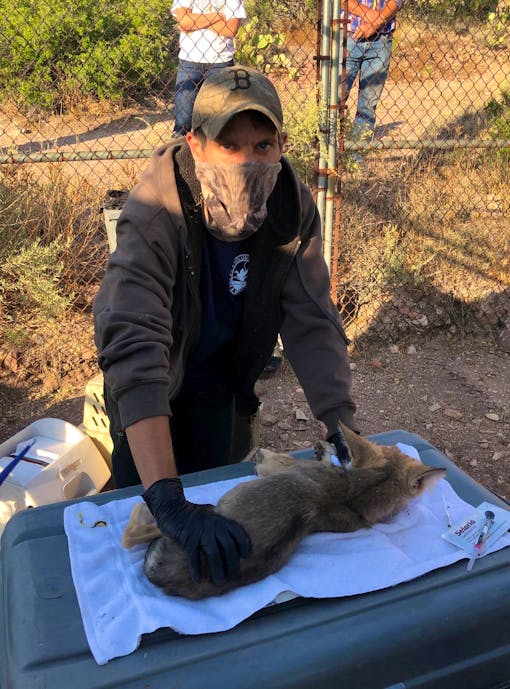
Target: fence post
323 74
332 135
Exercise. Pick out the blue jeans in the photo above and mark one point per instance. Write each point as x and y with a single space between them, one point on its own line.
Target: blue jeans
190 76
370 58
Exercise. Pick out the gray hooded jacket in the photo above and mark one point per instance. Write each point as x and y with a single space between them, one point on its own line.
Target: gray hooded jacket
147 311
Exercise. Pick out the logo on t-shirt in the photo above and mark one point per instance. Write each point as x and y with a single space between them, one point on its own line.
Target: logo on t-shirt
239 274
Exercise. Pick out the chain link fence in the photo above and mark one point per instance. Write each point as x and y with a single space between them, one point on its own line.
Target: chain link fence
416 218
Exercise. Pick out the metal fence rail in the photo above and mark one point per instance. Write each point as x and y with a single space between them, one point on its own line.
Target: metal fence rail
415 220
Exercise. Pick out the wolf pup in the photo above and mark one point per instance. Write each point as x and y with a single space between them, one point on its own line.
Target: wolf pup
294 498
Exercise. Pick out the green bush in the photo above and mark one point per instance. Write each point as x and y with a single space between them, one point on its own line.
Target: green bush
499 113
301 120
30 280
264 51
52 253
498 25
52 52
461 9
284 14
45 227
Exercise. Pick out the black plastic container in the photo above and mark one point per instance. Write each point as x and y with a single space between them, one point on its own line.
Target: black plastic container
447 629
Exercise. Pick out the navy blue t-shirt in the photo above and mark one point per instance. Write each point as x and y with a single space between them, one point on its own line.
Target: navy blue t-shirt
222 283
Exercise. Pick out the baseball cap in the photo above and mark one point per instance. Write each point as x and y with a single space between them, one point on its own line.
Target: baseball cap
229 91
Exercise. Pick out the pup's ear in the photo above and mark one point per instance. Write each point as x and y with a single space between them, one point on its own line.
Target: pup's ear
251 455
364 452
142 527
422 477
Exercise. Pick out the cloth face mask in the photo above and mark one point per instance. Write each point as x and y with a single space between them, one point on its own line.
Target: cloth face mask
235 196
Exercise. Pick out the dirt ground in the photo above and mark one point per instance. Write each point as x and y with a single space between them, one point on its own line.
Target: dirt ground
453 391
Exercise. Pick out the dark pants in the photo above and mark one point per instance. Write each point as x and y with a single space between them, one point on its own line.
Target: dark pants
190 77
201 426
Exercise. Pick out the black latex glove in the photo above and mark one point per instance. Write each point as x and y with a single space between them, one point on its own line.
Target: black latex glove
342 449
197 528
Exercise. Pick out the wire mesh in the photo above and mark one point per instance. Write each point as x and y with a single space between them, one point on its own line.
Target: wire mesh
419 210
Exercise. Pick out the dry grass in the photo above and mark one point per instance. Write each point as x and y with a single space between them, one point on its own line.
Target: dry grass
429 237
460 212
53 253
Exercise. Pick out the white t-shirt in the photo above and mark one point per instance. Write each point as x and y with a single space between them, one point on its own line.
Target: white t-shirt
205 45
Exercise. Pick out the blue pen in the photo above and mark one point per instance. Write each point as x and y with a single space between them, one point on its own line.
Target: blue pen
17 458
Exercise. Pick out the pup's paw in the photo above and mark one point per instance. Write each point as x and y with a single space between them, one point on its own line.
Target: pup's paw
324 451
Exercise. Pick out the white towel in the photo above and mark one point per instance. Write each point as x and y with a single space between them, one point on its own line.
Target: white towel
118 604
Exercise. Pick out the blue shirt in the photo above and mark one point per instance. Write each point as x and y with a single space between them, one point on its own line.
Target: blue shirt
222 283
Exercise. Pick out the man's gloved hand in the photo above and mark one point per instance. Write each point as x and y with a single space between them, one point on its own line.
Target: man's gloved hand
342 449
197 528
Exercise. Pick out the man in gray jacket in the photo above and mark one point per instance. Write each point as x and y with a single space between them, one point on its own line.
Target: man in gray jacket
218 251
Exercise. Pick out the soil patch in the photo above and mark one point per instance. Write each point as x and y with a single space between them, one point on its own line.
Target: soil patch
451 391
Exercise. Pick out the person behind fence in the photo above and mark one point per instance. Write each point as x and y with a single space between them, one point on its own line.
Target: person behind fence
371 25
218 251
207 29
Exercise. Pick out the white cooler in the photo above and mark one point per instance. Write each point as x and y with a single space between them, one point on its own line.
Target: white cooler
63 464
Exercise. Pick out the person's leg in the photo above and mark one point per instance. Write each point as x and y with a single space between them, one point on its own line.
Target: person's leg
201 426
190 77
246 436
353 60
373 72
275 360
188 81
